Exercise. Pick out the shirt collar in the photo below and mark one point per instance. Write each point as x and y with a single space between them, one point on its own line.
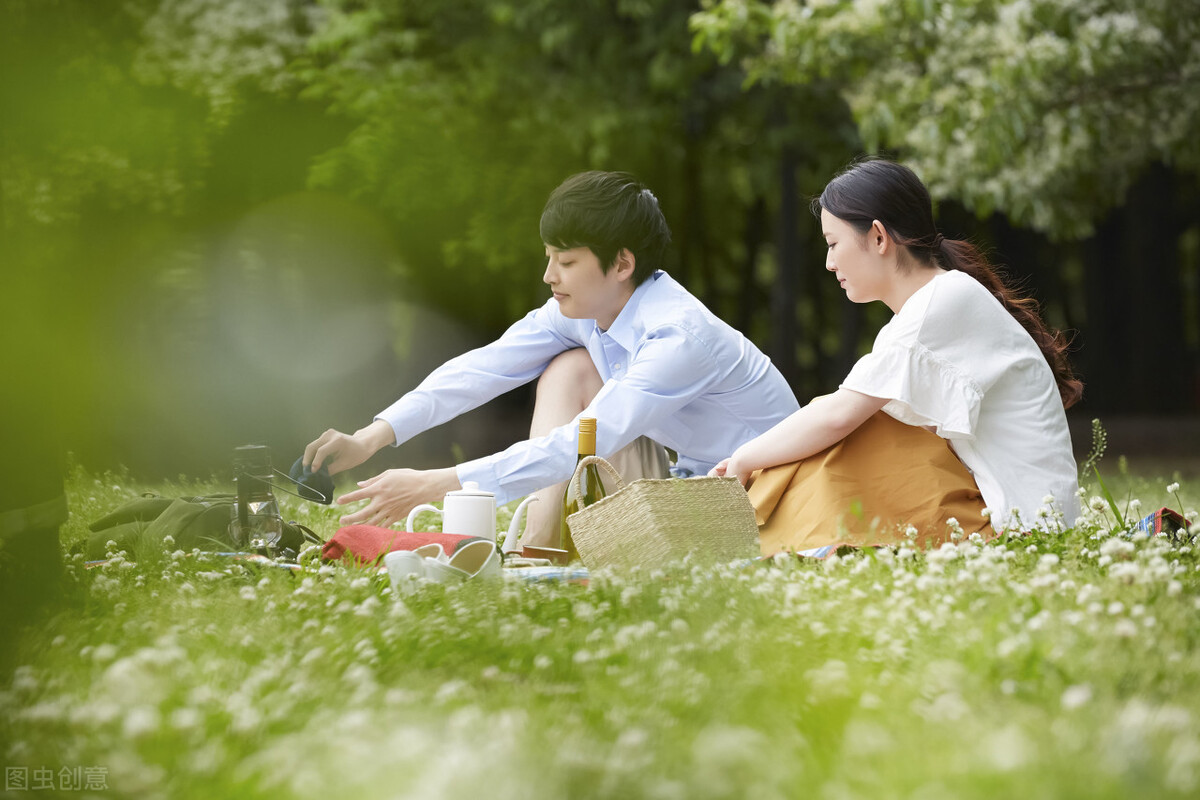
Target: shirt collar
624 330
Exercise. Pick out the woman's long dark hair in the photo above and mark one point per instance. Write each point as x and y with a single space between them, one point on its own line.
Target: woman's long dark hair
883 190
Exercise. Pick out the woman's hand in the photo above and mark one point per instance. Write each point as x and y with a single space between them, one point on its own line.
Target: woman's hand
728 468
396 492
810 430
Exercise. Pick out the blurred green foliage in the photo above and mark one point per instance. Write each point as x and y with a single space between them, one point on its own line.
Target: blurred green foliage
226 221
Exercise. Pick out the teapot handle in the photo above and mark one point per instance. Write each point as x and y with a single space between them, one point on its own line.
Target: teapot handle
412 515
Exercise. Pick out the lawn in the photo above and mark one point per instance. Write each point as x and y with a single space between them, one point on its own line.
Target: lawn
1057 664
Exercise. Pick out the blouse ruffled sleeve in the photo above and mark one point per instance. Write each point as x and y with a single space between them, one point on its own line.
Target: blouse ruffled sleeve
921 388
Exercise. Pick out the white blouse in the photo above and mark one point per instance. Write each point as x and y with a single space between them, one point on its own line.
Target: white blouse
954 360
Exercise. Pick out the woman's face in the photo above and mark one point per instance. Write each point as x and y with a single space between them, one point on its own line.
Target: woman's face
856 260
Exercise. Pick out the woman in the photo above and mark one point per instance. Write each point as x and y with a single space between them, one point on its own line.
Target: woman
965 373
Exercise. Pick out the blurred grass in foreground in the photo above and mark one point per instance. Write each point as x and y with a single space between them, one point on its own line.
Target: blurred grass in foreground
1050 665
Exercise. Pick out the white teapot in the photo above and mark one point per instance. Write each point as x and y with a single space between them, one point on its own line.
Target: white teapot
471 511
468 511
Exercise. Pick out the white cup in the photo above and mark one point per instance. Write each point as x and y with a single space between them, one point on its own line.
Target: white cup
467 512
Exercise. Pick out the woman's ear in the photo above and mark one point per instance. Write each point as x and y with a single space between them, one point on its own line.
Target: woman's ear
878 238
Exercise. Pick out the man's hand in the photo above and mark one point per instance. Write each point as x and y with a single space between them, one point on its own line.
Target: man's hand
396 492
340 451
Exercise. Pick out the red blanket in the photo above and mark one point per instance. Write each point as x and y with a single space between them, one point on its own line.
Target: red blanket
367 544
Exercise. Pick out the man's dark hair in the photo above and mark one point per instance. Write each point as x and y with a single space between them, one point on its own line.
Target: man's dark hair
607 212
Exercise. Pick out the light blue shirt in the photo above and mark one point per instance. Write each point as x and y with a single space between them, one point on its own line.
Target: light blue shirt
672 371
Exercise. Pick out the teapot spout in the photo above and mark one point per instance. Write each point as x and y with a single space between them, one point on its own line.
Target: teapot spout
514 530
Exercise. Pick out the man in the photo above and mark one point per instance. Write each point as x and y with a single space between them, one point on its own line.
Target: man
619 341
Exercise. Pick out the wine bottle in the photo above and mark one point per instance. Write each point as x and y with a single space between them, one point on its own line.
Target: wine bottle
593 489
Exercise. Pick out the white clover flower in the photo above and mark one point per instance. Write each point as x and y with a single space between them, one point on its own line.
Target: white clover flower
1116 547
1096 503
1172 488
1125 572
248 593
186 718
367 607
1135 504
1075 696
986 512
141 721
1125 628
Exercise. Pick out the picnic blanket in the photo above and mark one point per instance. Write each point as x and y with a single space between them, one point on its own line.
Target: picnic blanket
366 544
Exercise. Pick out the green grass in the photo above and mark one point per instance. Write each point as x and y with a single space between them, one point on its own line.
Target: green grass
1046 666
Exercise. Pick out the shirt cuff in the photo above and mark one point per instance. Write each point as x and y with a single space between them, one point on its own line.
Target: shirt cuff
483 472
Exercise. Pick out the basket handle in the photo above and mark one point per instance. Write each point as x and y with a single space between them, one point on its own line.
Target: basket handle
577 478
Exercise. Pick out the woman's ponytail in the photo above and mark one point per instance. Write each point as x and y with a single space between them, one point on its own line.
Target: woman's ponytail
965 257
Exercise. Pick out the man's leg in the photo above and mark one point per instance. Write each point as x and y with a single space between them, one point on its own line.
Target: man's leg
565 388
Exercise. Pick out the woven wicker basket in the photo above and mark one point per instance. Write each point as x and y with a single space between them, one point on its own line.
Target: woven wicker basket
653 521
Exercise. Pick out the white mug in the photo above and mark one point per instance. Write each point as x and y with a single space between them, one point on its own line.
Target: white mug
469 511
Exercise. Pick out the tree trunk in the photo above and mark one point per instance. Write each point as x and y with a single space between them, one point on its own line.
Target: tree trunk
756 222
784 328
1155 298
1107 346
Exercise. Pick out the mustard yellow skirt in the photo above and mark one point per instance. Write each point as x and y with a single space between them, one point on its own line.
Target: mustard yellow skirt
868 489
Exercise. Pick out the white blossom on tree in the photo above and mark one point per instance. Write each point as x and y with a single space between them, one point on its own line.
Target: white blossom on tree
1045 110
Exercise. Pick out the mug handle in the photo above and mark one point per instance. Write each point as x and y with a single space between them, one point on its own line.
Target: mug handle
412 515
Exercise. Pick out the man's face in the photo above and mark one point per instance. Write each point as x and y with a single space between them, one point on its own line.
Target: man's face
584 290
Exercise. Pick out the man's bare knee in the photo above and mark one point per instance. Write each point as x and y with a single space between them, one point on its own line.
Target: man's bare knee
566 387
571 372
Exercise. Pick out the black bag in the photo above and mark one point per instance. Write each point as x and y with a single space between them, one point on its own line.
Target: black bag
193 522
